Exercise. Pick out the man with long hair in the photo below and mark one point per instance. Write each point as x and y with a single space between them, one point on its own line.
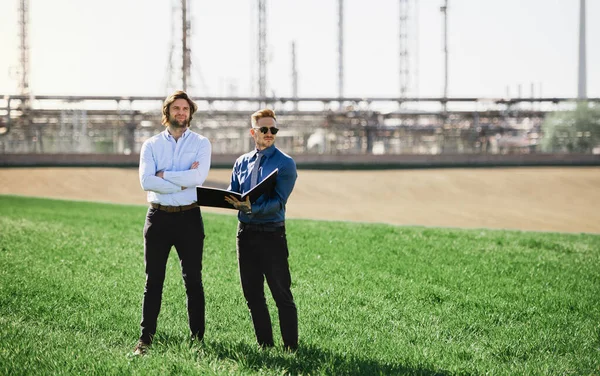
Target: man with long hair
172 164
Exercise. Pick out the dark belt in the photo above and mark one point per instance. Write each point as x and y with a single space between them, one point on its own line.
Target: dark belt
265 227
173 209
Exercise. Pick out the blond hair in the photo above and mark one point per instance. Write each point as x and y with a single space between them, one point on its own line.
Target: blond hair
264 113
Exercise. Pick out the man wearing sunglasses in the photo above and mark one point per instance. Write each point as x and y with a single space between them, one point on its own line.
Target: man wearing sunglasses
262 249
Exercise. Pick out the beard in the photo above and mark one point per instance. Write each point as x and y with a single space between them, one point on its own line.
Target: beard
178 124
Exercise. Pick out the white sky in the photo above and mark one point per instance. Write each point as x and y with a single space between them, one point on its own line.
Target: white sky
121 47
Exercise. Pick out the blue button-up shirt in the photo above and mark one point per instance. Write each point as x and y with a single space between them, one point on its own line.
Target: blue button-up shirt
267 208
162 153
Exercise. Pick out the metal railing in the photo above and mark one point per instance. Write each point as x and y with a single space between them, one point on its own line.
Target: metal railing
119 125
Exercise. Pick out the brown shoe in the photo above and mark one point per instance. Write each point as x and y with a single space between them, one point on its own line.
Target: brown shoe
141 348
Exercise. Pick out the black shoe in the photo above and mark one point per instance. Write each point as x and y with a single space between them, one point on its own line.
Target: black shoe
141 348
290 349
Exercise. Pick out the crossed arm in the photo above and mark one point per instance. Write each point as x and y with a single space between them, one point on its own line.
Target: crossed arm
161 174
164 181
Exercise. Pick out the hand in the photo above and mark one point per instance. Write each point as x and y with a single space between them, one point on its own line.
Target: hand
243 206
194 166
160 174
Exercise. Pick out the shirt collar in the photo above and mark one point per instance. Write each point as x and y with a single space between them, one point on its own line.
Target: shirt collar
168 135
265 152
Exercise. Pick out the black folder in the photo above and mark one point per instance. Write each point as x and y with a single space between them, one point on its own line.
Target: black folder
215 197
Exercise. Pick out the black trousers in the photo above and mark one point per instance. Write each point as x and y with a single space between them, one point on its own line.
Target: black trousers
264 254
185 231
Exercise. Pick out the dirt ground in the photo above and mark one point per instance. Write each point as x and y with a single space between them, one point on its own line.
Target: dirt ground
538 199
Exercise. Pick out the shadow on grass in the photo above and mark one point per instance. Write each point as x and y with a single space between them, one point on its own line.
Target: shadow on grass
309 359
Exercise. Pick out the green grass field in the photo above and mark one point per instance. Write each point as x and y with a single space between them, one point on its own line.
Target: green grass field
372 299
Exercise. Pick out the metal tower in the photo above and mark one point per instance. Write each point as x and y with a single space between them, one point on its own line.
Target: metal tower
444 10
177 79
24 47
294 75
415 82
582 72
169 79
185 50
340 49
262 48
404 62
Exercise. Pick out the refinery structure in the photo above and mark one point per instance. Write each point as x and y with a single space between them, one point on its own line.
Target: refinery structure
339 125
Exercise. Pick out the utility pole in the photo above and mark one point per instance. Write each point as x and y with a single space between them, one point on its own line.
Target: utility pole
582 72
444 115
444 10
24 47
294 76
403 47
415 86
169 83
179 67
185 50
262 48
340 50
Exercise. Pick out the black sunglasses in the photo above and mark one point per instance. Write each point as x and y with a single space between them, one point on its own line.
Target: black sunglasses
266 129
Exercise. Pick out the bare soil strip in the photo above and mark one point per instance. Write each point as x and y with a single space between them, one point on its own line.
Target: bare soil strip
536 199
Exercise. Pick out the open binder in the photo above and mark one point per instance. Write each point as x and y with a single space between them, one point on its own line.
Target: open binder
215 197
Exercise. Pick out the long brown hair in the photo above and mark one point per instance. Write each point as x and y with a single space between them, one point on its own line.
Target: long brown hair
179 94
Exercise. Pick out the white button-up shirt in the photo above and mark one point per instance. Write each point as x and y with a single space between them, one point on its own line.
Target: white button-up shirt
162 153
